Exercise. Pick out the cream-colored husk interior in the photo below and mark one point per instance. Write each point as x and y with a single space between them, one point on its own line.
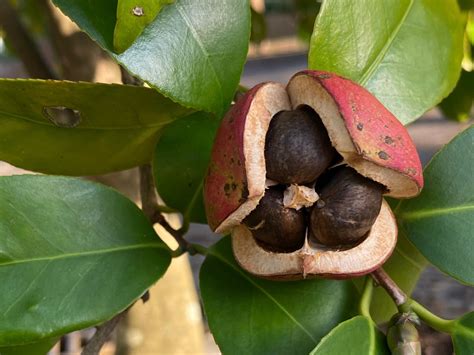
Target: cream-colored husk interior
312 260
268 101
304 90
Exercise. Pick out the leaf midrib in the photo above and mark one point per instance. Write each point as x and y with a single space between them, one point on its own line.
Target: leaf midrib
270 297
79 127
378 59
86 253
421 214
201 46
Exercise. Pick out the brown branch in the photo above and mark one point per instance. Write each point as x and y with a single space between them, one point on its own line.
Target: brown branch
102 335
384 280
129 79
23 43
151 209
149 202
147 192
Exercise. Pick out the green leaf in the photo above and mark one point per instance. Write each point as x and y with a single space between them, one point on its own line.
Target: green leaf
72 254
357 336
248 315
133 18
406 52
404 267
116 126
463 335
193 52
96 18
440 221
180 163
457 106
40 348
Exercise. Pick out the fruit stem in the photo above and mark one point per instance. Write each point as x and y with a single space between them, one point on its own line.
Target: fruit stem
366 299
406 304
435 322
395 292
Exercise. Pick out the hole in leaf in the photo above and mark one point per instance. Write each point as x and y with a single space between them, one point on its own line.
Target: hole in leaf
62 116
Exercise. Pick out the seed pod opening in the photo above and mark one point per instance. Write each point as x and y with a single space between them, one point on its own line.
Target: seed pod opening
362 131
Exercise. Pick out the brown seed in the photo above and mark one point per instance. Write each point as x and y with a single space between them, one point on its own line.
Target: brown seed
348 207
297 147
274 226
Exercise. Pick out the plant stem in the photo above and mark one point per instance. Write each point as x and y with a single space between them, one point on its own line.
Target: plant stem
395 292
129 79
366 299
435 322
406 304
152 210
147 192
101 336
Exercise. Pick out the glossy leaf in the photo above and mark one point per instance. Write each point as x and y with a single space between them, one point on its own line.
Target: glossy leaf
133 18
193 52
357 336
440 221
406 52
463 335
72 254
104 128
404 267
180 163
40 348
248 315
457 106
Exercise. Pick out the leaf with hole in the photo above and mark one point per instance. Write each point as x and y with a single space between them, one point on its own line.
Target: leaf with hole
358 335
406 52
248 315
72 254
132 18
193 52
440 221
71 128
463 335
180 163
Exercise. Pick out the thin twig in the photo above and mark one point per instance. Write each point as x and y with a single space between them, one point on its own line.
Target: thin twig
151 209
129 79
147 192
177 234
382 279
23 43
102 335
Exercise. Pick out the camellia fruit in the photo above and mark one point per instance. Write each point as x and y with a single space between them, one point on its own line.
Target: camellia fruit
305 199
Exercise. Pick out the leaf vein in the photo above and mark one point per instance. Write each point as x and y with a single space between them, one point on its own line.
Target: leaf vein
86 253
201 46
373 66
435 212
270 297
